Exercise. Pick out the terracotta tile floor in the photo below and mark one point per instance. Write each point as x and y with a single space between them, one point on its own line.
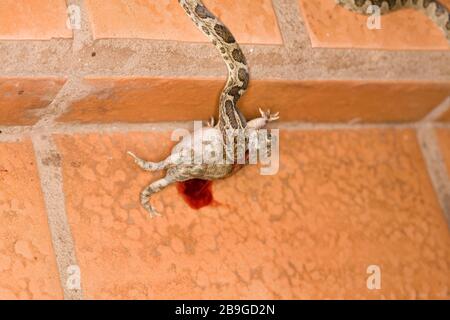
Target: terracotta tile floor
446 116
33 19
21 98
166 20
444 139
343 200
330 25
27 262
166 99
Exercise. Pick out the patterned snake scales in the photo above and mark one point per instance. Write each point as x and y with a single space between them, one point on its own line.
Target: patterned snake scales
230 118
179 164
436 11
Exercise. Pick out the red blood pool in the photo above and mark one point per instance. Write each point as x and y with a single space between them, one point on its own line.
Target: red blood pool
197 193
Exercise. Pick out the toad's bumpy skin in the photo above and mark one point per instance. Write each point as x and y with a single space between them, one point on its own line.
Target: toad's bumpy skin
178 165
432 8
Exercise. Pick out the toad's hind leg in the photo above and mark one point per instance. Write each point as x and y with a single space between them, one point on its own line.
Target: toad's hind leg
155 187
149 166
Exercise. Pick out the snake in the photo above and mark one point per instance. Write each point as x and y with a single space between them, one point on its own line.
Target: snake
230 117
231 126
434 9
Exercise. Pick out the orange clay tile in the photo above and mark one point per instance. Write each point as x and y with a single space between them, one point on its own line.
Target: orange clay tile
332 26
446 116
33 19
166 20
342 201
174 99
27 262
21 98
444 141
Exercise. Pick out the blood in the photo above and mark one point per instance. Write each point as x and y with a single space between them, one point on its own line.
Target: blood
197 193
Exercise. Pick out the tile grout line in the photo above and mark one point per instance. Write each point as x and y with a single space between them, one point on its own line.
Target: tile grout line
437 112
435 166
73 89
50 174
48 162
16 133
166 126
289 30
84 36
292 27
431 151
12 133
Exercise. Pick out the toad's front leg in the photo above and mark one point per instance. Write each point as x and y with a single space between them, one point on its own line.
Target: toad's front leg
149 166
266 117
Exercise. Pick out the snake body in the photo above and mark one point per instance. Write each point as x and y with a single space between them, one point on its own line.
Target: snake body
434 9
238 72
231 125
230 118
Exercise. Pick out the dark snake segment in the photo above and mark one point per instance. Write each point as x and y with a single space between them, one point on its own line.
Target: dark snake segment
434 9
230 117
